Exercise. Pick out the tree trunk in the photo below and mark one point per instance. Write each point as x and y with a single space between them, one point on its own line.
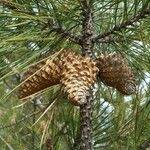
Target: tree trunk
86 109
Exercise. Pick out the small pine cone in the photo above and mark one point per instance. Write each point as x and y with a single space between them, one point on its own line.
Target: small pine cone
114 71
43 75
78 77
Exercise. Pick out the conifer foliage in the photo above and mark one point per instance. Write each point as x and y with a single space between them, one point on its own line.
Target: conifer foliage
96 40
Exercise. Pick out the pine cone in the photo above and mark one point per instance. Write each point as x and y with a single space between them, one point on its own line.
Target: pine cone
114 71
78 77
43 75
76 74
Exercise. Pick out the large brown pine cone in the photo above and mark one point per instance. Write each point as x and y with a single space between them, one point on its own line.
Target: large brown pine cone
114 71
43 75
76 74
78 77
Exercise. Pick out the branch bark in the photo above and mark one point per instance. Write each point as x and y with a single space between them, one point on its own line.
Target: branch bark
65 33
123 25
87 43
86 142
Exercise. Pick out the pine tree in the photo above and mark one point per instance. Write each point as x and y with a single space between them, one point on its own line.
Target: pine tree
55 49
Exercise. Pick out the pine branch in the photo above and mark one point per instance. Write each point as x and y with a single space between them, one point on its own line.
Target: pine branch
33 121
123 25
41 109
111 41
14 7
19 121
86 142
144 145
64 33
9 4
49 143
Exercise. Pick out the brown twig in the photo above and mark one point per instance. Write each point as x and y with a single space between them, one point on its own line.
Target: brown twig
123 25
65 33
144 145
49 143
